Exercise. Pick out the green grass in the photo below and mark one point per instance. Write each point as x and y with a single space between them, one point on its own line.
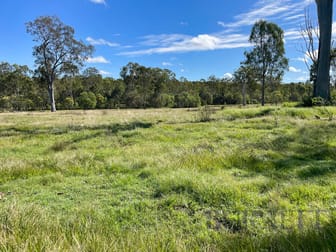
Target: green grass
167 180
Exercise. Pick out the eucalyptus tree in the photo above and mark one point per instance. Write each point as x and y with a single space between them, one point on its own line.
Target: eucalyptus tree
244 76
324 14
57 51
267 58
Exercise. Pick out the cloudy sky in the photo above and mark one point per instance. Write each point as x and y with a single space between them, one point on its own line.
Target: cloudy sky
193 38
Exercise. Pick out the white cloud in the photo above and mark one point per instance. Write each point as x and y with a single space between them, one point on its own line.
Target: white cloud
166 64
298 16
102 72
98 1
302 59
294 70
288 11
302 78
269 9
292 34
182 43
98 59
163 39
228 76
101 41
220 23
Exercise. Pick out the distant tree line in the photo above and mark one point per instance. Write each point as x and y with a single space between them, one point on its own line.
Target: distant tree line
58 82
138 87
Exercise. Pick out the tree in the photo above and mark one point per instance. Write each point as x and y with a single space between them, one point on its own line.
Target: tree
244 76
324 14
310 34
92 80
87 100
57 52
267 58
144 85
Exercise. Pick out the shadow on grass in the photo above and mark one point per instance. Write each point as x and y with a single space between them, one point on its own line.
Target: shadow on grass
110 128
310 146
323 239
304 153
102 130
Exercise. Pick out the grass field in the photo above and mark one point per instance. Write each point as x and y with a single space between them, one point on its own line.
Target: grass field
249 179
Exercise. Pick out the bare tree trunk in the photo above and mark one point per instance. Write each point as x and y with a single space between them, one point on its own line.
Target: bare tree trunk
52 97
263 90
324 11
244 93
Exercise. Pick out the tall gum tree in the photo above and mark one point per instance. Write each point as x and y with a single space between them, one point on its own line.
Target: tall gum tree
57 51
267 58
324 14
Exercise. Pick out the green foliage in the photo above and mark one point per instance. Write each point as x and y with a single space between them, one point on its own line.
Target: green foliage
101 101
307 101
58 52
20 91
206 97
205 113
333 95
5 103
318 101
68 103
267 58
187 100
166 100
276 97
87 100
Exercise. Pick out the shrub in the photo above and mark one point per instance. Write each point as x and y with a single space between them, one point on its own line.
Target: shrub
333 97
134 100
205 113
87 100
186 100
5 103
206 97
167 100
68 103
276 97
318 101
290 104
101 101
21 103
307 101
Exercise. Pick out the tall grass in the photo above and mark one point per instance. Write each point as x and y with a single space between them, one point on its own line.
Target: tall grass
164 180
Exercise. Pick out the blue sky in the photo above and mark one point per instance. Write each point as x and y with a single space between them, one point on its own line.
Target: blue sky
193 38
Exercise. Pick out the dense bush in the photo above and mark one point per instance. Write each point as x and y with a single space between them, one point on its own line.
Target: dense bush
87 100
5 103
187 100
138 87
68 103
318 101
101 101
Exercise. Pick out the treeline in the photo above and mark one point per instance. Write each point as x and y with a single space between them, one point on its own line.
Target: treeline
138 87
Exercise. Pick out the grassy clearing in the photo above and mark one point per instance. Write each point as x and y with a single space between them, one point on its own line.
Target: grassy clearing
163 180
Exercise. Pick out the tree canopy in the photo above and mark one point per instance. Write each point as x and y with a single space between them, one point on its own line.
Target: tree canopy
267 57
57 51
